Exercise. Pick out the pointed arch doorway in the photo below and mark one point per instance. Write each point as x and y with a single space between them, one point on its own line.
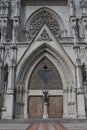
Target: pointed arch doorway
45 77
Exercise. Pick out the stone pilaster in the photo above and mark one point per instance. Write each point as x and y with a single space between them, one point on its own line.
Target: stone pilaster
79 84
71 100
16 20
21 94
9 103
2 50
65 104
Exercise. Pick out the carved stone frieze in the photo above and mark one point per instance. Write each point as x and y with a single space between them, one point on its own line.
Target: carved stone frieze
44 36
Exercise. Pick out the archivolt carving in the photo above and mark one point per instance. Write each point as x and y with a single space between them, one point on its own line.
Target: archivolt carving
42 18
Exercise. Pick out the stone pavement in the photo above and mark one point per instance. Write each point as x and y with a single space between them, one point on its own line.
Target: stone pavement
13 126
40 124
43 126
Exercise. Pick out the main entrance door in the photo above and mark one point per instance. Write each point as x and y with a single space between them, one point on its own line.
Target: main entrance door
35 107
55 107
45 77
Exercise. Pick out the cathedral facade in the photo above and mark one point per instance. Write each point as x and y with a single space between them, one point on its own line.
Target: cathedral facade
43 59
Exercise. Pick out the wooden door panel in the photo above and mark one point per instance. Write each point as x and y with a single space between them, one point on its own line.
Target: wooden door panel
55 109
35 107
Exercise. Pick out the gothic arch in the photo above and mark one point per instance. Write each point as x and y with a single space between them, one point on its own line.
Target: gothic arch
55 57
44 16
48 76
27 66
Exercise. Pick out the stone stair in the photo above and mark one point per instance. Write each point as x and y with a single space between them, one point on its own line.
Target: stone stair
40 120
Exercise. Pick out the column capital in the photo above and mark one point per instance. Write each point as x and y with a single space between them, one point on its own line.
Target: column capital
80 91
14 47
2 47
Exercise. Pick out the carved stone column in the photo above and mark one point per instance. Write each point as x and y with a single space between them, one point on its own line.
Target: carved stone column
71 101
73 95
65 104
2 55
20 92
69 91
2 50
9 113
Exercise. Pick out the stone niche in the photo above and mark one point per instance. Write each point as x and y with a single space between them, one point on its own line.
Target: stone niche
44 2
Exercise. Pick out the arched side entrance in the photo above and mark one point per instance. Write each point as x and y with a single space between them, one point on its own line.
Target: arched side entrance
45 77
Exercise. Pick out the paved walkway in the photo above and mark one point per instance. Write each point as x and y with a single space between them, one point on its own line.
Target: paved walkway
13 126
43 126
46 126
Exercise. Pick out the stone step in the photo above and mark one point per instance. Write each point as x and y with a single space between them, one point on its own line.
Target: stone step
40 120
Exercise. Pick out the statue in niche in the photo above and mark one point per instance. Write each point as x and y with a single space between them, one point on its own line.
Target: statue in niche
1 7
75 30
85 29
6 73
6 7
72 7
17 7
45 97
84 72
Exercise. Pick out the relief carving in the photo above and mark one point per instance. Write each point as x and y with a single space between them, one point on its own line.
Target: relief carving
44 36
42 18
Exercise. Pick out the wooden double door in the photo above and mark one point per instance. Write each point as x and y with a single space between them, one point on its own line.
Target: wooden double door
55 107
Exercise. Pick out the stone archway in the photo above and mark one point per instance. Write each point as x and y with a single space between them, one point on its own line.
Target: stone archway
45 77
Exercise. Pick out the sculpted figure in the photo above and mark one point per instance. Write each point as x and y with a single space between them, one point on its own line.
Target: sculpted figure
6 7
72 7
45 96
1 7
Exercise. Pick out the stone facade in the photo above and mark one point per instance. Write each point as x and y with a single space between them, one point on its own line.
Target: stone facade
43 59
